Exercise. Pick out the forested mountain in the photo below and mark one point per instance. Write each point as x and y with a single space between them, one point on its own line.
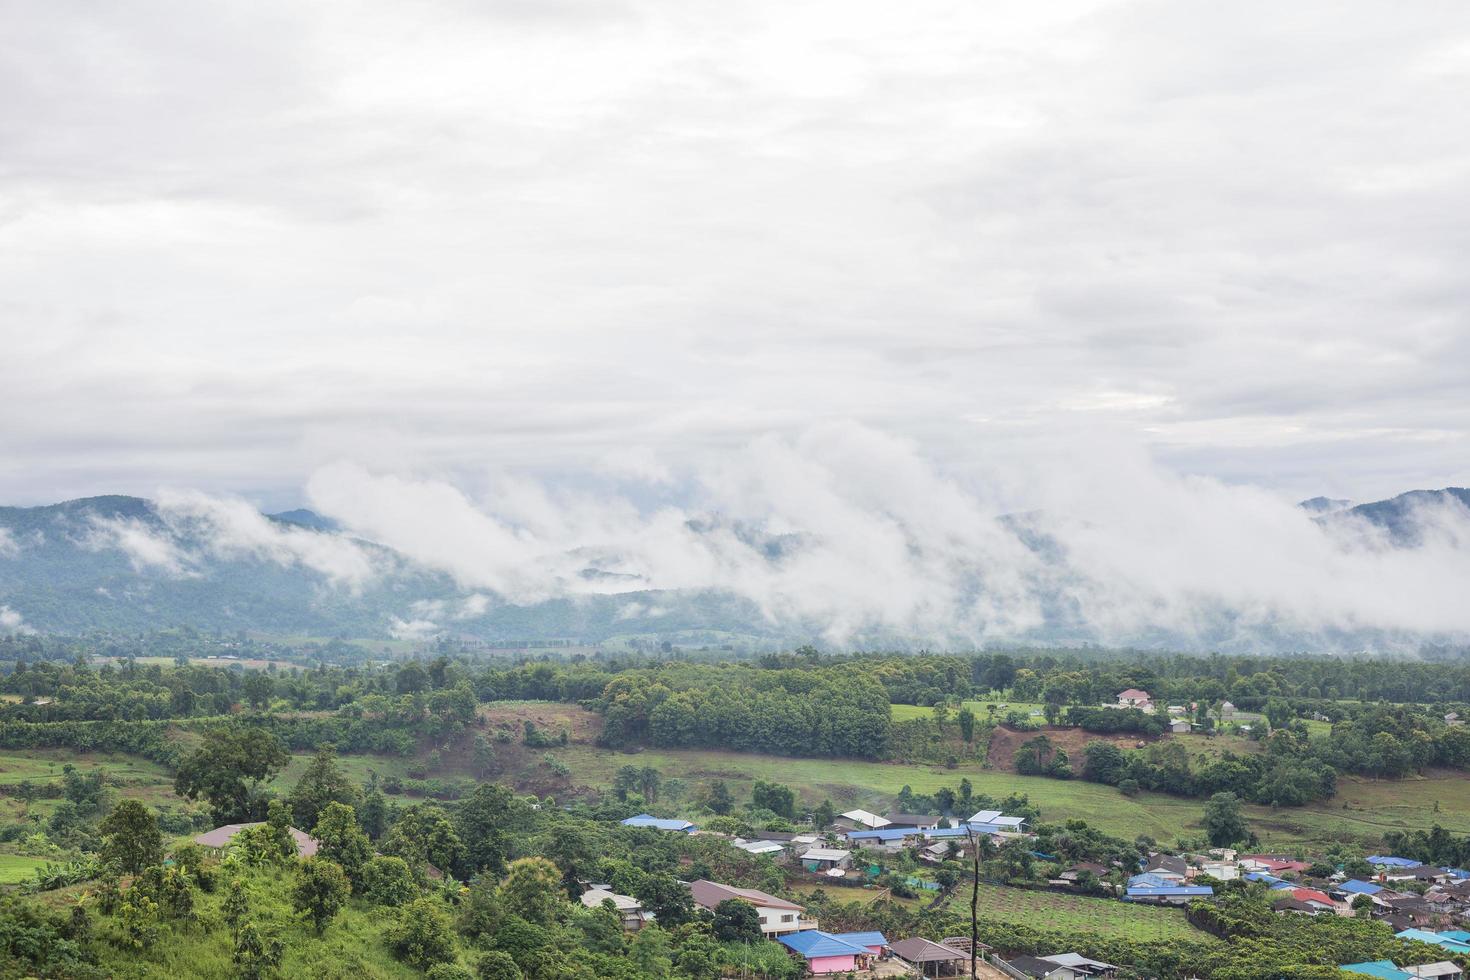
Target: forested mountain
123 563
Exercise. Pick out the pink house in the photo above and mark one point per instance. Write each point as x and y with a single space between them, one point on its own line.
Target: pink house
825 953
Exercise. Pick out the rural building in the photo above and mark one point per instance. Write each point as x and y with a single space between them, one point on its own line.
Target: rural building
860 820
221 838
916 821
932 959
774 848
826 953
1179 726
778 916
1134 698
1167 894
629 908
658 823
825 859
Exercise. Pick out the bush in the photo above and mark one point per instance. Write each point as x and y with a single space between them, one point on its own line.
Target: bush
422 936
1128 787
388 881
448 971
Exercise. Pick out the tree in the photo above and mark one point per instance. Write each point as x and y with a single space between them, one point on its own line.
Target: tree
824 814
131 839
342 841
323 782
1224 822
423 834
737 921
720 801
256 956
422 935
532 890
667 898
483 822
497 965
966 719
373 814
651 952
320 891
386 880
483 756
228 768
236 905
625 781
780 800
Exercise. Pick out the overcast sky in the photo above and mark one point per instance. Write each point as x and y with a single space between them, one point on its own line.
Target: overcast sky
242 242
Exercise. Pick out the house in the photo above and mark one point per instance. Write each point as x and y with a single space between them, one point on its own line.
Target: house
1073 873
1353 888
1076 961
1167 894
1035 966
1179 726
1451 718
825 953
221 838
1176 709
917 821
1167 866
860 820
771 847
1282 905
1220 870
873 942
888 839
1227 712
1274 863
937 852
1308 900
1443 970
931 959
658 823
1134 698
629 908
825 859
994 818
778 916
1390 861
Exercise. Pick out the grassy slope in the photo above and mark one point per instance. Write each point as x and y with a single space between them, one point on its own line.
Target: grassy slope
15 868
350 949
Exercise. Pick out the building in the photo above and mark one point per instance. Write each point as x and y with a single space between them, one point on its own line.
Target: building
826 953
1081 964
659 823
915 821
932 959
860 820
1167 894
1134 698
629 908
825 858
778 916
1179 726
771 847
1383 969
221 838
997 820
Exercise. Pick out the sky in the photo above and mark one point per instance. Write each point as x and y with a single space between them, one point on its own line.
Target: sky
248 247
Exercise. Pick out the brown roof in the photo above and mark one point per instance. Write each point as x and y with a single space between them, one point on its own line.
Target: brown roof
709 894
919 950
306 845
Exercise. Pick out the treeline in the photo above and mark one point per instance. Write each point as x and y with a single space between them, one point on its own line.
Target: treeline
809 712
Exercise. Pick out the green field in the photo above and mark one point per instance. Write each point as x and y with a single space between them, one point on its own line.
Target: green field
905 712
1078 913
44 765
15 868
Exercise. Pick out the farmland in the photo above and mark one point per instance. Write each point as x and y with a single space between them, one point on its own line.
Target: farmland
15 868
1079 913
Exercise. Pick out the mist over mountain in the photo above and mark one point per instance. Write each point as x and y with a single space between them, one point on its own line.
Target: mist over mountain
127 563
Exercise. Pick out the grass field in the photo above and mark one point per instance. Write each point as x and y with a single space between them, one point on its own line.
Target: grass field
44 765
905 712
15 868
1078 913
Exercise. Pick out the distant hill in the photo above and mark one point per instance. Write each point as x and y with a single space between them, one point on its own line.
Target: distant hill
119 563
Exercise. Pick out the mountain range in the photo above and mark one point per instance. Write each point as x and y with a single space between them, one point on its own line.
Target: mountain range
121 563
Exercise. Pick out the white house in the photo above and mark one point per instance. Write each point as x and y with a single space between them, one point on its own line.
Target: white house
861 820
629 908
1134 698
778 916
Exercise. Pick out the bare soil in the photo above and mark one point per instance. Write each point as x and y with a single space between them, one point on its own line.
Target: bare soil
1005 741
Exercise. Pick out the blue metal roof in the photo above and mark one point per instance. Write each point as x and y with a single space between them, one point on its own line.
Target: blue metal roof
884 834
1425 936
1389 861
1355 887
861 938
1283 884
1151 892
1378 968
812 943
1262 876
943 832
658 823
1458 935
1148 879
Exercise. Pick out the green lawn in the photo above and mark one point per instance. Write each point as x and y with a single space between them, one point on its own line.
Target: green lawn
1079 913
15 868
904 712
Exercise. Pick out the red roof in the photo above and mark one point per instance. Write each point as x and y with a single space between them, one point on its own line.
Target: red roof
1311 895
1133 694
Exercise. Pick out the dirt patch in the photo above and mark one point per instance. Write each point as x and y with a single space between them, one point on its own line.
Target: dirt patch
1005 741
582 726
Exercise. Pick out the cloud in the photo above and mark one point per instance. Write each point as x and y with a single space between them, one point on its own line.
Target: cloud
412 629
856 533
9 547
12 621
192 526
648 231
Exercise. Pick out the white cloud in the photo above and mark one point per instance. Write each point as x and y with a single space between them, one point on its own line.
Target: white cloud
9 547
12 621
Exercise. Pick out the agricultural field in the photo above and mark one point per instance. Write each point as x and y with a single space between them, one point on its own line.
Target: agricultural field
905 712
1079 913
15 868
